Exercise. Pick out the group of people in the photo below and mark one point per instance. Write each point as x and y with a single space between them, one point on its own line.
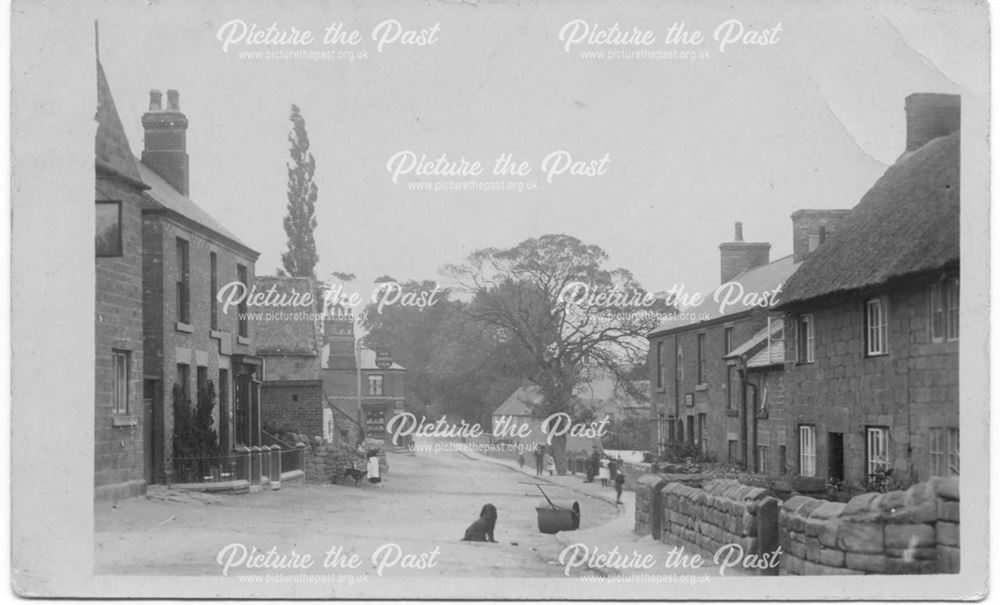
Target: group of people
605 468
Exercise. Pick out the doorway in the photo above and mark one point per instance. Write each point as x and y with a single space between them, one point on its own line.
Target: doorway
836 454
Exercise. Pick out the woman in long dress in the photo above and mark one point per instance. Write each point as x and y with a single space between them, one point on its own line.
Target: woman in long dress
603 473
374 473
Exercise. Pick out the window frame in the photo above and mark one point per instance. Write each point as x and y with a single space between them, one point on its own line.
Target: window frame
943 451
183 259
880 330
762 456
213 287
378 379
807 458
242 324
727 340
882 441
702 361
120 249
806 325
659 365
121 388
732 388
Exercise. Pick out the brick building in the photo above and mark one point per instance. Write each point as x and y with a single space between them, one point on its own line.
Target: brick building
122 417
289 341
872 320
359 390
190 339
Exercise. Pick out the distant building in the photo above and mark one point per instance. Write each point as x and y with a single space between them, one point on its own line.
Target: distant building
520 409
872 320
358 389
122 417
189 339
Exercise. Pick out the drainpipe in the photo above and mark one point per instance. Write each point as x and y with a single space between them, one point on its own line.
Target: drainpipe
677 389
753 424
743 414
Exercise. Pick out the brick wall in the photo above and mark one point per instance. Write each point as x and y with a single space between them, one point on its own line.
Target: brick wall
293 406
119 448
900 532
166 343
909 391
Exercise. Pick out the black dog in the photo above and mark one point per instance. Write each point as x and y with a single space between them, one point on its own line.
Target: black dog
355 474
481 529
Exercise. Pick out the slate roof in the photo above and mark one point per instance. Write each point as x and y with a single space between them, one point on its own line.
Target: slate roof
111 150
907 223
764 278
168 197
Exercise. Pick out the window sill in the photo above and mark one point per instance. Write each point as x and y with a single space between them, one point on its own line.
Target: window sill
122 420
701 387
217 334
733 413
243 340
183 327
875 355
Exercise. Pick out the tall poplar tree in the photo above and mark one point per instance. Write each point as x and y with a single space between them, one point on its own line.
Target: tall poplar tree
300 259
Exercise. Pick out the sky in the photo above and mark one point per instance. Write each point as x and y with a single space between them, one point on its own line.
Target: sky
750 134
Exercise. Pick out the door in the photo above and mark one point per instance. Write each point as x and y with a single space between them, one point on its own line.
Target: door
690 429
836 454
148 430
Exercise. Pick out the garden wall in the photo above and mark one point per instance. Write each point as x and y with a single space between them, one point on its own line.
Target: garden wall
720 513
900 532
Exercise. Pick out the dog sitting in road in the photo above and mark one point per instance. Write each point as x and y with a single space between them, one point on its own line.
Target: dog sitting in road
355 474
482 528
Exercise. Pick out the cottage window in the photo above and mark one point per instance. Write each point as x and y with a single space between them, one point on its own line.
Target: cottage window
807 349
944 310
876 326
375 384
876 449
109 229
943 449
732 388
727 340
120 380
183 281
659 365
213 288
807 450
679 362
184 380
241 309
734 451
703 433
701 358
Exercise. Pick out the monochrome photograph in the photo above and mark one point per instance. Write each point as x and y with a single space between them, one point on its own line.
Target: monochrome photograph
500 300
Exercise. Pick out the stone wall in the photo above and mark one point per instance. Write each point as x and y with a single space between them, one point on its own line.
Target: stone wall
647 504
722 512
326 463
900 532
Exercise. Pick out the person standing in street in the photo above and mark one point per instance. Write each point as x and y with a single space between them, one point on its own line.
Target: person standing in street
550 463
538 460
619 485
520 460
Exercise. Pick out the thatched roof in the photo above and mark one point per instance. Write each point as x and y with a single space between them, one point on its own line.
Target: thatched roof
288 335
111 151
907 223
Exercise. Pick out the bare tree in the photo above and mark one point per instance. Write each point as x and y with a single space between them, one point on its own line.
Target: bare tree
554 297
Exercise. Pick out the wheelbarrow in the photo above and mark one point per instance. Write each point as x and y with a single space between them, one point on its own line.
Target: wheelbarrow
557 516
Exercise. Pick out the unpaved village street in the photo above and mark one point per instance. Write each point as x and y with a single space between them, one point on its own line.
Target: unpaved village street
425 502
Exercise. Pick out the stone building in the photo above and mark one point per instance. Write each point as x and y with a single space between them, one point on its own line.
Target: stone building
872 320
703 391
122 415
191 340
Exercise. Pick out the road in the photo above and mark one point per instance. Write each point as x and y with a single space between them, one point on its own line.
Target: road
425 503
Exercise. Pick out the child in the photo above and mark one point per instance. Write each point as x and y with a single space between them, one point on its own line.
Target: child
550 464
619 485
520 460
603 473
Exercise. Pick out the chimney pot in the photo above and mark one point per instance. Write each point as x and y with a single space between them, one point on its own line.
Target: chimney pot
929 116
173 100
738 236
155 100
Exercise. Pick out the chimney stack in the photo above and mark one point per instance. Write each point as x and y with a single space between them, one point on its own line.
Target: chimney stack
739 256
929 116
811 228
165 148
